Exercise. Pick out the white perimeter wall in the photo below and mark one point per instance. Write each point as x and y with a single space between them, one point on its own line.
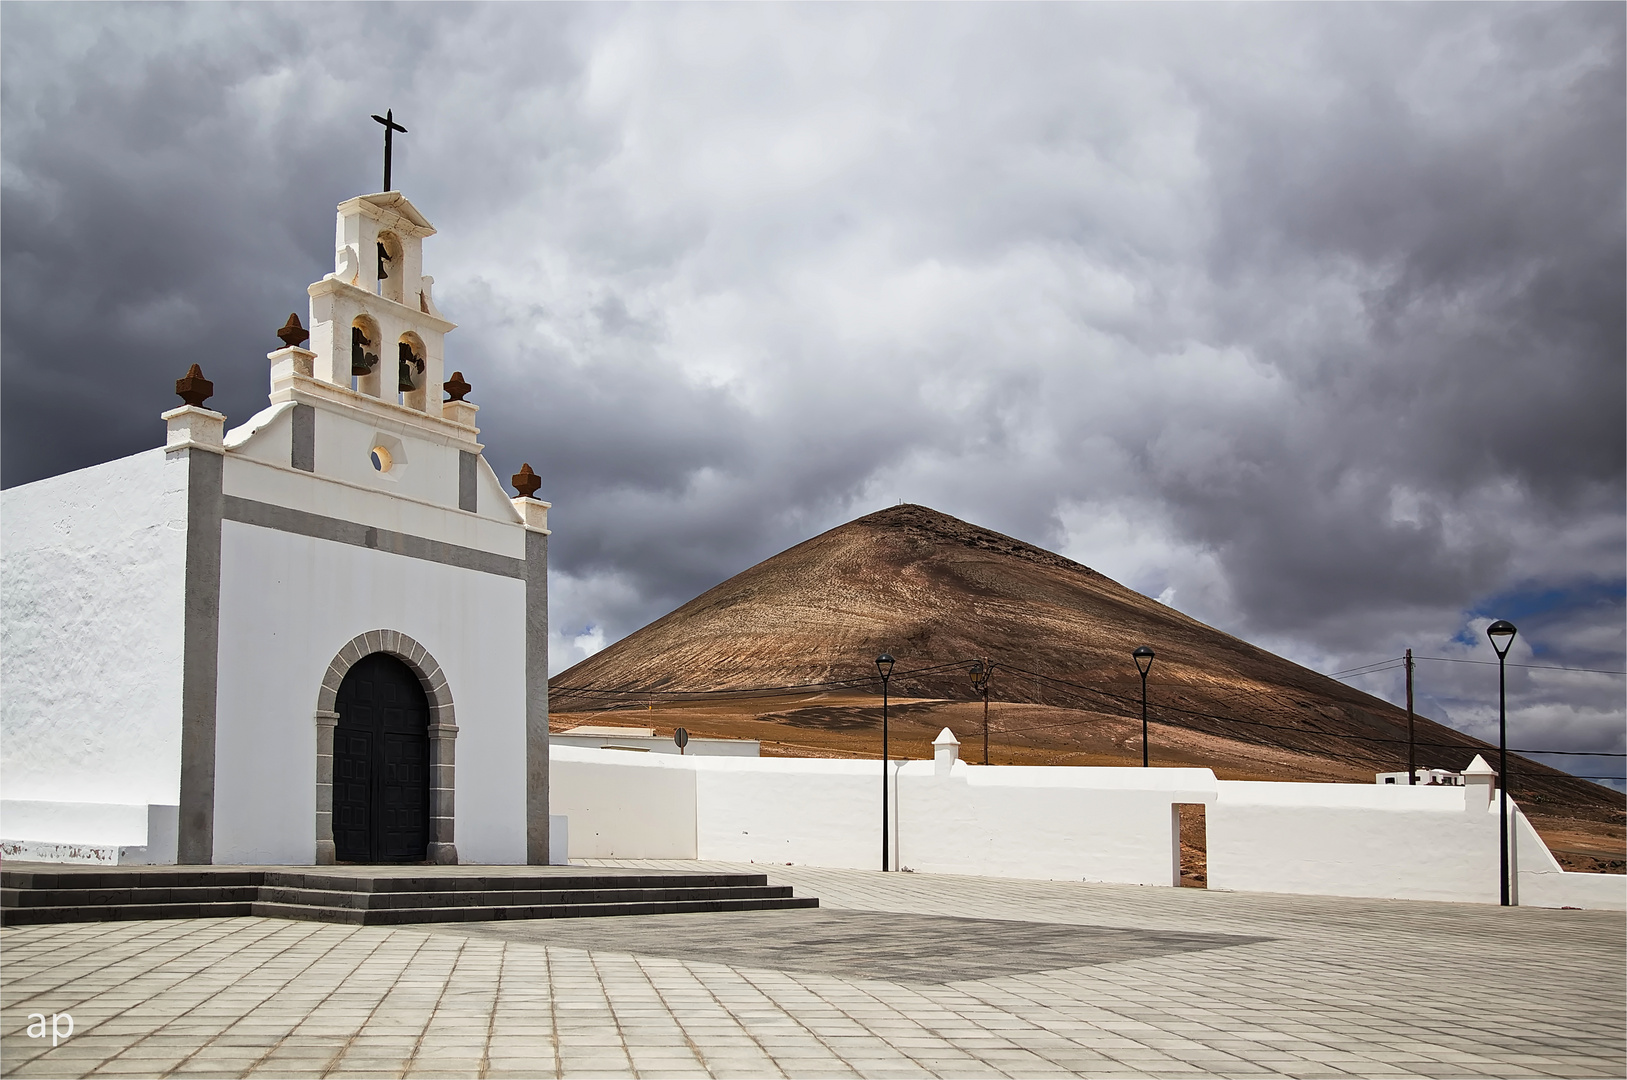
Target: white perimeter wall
1115 825
1090 824
622 804
1391 840
1077 823
1387 840
91 591
288 604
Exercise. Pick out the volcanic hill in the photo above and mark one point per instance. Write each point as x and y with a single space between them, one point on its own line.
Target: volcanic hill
937 592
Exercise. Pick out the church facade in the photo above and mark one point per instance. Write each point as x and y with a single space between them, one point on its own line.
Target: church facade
318 637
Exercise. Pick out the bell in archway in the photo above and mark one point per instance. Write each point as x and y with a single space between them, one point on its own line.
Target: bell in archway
362 362
408 363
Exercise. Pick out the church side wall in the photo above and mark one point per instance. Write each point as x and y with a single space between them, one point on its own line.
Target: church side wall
94 565
289 603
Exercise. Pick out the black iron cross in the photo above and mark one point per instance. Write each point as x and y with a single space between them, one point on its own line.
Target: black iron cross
390 128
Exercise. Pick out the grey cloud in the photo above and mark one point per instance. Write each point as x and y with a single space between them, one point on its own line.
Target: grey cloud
1310 314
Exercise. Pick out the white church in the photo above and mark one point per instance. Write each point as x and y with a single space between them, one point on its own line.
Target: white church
317 637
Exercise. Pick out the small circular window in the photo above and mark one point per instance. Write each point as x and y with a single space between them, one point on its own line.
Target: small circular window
381 459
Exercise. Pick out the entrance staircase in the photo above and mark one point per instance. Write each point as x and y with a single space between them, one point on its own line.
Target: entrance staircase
374 896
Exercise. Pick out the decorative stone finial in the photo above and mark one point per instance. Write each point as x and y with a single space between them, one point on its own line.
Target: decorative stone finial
193 388
456 388
526 482
292 333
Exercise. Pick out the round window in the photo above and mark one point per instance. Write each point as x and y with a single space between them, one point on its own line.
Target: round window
381 459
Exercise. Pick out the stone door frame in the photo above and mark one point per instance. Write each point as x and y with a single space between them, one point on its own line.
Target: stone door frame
443 733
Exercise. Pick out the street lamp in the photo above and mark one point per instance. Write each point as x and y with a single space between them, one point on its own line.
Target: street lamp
1502 634
884 664
980 672
1143 657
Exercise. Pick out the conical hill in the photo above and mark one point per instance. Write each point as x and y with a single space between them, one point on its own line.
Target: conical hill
936 592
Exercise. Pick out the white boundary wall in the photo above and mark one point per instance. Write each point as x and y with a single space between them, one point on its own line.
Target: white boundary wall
1393 841
1076 823
1417 843
1095 824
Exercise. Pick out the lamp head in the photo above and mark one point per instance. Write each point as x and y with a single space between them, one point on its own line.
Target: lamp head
884 664
1501 634
1143 658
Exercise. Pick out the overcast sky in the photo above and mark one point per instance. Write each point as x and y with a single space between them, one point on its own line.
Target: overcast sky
1305 319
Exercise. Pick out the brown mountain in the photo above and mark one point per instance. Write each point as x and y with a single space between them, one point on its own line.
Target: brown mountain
936 592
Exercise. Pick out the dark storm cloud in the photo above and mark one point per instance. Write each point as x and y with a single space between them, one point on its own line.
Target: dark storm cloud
1308 319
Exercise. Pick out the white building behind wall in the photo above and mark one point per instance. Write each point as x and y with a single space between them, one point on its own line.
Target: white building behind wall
186 631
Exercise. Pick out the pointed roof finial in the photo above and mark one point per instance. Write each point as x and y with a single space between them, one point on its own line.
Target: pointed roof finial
456 388
193 388
292 333
526 482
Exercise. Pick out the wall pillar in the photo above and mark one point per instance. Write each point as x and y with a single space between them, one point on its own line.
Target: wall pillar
442 793
534 512
326 853
194 440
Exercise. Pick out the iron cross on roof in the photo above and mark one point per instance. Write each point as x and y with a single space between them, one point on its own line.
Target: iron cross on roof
390 128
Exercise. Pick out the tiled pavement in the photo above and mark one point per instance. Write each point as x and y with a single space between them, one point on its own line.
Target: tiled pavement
895 975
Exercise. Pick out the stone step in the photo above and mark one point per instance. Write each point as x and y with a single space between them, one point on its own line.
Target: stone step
29 916
124 897
127 879
33 895
509 897
399 916
301 879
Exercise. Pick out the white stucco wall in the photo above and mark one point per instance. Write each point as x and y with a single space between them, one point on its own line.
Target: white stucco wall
1095 824
1091 824
289 603
1541 882
1075 823
814 811
622 804
92 570
1419 843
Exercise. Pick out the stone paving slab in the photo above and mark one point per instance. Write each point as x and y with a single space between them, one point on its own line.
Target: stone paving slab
896 975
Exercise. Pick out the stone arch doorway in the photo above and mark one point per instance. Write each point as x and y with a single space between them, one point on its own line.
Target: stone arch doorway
385 761
381 764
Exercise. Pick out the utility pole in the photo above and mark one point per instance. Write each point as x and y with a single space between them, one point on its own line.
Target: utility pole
1412 756
981 670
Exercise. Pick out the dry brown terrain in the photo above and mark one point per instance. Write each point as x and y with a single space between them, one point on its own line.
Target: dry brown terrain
935 592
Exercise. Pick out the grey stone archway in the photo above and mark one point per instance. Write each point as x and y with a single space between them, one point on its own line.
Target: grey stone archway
443 733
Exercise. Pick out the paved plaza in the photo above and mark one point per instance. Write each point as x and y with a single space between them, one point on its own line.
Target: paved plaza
894 975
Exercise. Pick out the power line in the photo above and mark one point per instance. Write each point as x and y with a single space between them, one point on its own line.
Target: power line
1364 669
794 689
1535 667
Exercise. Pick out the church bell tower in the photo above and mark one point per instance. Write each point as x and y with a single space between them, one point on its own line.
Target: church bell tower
374 324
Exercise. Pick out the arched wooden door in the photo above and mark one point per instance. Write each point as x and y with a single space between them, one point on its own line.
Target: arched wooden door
381 764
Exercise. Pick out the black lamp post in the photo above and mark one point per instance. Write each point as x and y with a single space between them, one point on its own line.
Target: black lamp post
884 664
1143 657
981 670
1502 634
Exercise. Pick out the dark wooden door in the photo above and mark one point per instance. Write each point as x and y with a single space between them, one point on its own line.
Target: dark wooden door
381 764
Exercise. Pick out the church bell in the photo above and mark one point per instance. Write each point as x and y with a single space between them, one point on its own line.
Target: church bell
362 362
408 362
